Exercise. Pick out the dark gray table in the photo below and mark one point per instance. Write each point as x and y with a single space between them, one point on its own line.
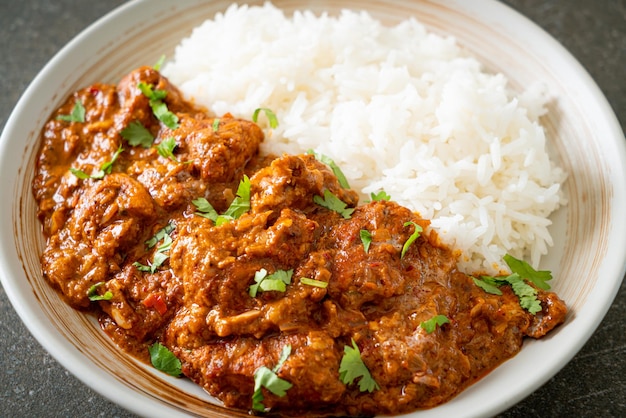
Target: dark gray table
33 384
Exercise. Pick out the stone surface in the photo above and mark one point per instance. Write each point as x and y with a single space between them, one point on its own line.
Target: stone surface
33 384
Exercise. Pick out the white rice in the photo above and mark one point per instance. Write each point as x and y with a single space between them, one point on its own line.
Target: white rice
398 109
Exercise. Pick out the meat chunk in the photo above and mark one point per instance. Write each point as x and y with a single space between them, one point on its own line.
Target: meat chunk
110 217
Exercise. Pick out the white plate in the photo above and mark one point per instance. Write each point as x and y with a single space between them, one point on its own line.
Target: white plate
588 258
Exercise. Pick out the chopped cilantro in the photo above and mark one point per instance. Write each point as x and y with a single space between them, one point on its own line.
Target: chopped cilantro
526 293
137 134
159 256
488 284
157 66
105 168
268 379
313 282
150 93
521 271
205 209
526 271
430 325
93 295
241 203
332 202
333 166
216 124
166 148
366 239
381 195
271 117
79 173
77 115
412 238
164 360
352 367
159 108
160 234
276 281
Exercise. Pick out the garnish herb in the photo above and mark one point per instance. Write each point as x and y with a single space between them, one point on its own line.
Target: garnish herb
164 360
105 168
93 295
430 325
159 255
381 195
268 379
526 271
277 281
241 203
159 108
333 166
205 209
166 148
157 66
77 115
521 271
160 234
366 239
415 235
352 367
239 206
313 282
332 202
137 134
271 117
488 284
216 124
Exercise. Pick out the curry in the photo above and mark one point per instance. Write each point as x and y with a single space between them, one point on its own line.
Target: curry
149 241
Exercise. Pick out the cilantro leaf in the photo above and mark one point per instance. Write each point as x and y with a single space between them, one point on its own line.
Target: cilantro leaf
333 166
352 367
77 115
276 281
332 202
521 271
160 234
241 203
150 93
526 293
105 168
381 195
162 113
79 173
488 284
313 282
159 108
366 239
137 134
430 325
205 209
166 148
526 271
216 124
271 117
268 379
93 295
164 360
157 66
108 166
412 238
160 255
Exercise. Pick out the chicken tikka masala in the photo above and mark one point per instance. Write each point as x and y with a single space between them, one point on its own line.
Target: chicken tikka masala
263 275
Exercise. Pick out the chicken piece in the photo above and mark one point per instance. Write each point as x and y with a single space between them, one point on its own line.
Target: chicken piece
111 216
